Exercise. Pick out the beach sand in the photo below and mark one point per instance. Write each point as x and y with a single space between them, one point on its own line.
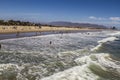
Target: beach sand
20 29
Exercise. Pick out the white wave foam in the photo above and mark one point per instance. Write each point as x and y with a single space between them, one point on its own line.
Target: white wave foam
96 48
83 72
106 61
114 34
75 73
80 72
107 39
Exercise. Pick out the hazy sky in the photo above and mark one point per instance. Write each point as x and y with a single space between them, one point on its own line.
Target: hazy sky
91 11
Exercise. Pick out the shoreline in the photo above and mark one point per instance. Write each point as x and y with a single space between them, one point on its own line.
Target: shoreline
8 32
30 34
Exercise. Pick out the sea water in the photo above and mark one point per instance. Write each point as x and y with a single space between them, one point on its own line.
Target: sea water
72 56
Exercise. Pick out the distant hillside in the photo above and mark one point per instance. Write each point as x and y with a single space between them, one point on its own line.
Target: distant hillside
81 25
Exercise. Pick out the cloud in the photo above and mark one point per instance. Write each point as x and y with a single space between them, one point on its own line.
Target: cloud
115 18
101 18
92 17
96 18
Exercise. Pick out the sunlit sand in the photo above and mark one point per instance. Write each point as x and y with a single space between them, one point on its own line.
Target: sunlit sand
15 29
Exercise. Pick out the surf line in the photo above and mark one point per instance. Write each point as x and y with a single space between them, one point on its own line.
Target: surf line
109 39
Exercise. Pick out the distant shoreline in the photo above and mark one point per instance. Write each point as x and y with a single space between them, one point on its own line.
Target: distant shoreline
8 32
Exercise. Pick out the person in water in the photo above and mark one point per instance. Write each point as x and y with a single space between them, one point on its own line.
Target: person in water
50 42
0 46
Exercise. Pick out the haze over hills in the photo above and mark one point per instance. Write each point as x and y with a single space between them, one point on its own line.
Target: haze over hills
57 24
71 24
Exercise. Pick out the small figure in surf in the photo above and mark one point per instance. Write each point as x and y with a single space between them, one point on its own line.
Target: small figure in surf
50 42
0 46
88 33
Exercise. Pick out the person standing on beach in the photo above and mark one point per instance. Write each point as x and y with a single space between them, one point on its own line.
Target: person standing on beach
17 33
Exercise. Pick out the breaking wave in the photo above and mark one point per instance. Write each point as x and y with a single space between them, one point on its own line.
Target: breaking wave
92 67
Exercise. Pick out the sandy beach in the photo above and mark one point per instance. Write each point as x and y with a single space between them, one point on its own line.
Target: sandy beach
22 29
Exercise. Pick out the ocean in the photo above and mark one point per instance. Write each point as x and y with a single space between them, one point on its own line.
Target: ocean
68 56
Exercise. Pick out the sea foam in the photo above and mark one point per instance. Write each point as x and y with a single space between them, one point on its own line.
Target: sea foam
115 33
107 39
87 65
62 60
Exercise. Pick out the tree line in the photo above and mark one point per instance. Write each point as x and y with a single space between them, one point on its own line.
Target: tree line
18 23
